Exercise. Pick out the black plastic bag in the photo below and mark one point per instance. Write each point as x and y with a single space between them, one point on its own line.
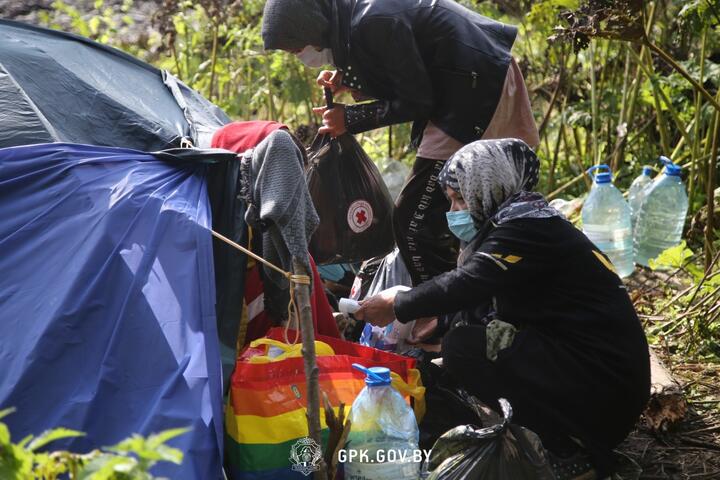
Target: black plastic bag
500 452
351 199
447 405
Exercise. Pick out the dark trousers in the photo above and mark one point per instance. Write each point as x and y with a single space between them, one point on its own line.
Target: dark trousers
550 391
421 233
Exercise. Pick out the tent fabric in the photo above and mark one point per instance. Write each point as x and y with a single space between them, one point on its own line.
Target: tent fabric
107 318
60 87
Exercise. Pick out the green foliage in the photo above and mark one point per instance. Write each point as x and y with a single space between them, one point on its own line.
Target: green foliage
673 257
690 318
130 459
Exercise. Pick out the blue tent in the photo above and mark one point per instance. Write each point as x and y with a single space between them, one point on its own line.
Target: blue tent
60 87
107 315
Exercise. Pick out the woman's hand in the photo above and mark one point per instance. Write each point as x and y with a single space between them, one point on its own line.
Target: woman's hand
422 330
331 80
333 120
379 309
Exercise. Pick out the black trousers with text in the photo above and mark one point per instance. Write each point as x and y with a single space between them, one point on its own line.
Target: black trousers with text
426 244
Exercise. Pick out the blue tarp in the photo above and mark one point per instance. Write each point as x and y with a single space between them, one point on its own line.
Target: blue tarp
107 317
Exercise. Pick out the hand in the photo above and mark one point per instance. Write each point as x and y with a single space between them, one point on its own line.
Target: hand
378 310
333 120
422 330
331 80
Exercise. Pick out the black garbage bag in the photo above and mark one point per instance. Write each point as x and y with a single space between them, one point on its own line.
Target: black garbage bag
448 406
351 199
500 452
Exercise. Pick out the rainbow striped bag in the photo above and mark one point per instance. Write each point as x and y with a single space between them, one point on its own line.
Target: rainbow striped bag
265 415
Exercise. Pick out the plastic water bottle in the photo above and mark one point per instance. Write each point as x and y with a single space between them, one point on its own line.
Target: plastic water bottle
606 221
662 214
383 439
637 192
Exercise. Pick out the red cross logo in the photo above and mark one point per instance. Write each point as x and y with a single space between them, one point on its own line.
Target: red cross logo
361 217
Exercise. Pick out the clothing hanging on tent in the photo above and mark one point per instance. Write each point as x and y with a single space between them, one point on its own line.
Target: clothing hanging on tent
246 308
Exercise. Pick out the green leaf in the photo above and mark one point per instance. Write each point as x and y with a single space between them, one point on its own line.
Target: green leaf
22 443
162 437
94 25
673 257
169 454
52 435
4 413
4 435
15 463
106 467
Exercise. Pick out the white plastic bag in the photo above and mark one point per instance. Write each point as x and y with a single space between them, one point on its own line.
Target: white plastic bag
391 273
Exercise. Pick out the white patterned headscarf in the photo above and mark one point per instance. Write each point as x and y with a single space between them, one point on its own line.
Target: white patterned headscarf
488 173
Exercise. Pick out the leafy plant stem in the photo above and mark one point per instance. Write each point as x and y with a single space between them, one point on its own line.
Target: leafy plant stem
593 100
678 68
213 62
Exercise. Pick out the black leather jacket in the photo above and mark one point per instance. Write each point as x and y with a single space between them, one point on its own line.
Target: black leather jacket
423 60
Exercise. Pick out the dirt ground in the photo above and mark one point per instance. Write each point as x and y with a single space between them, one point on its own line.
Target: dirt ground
691 448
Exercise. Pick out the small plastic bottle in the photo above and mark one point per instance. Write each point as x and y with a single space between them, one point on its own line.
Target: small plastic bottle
662 214
606 221
383 439
637 192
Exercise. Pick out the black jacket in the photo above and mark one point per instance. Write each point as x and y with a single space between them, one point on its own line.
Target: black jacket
580 358
423 60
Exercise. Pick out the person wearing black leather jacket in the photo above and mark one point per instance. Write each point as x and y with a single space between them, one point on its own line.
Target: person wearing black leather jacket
433 62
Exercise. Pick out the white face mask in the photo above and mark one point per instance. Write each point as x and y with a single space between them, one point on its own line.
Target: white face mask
312 57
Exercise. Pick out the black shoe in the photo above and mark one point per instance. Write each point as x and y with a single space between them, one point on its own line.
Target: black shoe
574 467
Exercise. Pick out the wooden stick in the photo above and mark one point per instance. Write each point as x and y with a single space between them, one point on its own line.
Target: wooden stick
304 312
336 426
667 404
710 193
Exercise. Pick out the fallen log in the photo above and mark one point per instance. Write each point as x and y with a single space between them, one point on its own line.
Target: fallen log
667 405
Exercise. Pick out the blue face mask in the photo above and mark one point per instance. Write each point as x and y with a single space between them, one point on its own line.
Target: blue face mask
461 225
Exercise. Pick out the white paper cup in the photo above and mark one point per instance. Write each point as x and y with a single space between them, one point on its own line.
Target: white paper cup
348 306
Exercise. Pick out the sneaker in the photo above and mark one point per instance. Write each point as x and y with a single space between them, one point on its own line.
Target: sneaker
575 467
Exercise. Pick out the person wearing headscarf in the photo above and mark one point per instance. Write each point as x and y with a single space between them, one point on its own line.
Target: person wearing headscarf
536 313
433 62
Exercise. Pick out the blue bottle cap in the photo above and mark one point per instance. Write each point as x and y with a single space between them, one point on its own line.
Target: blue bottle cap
375 376
602 177
648 170
670 168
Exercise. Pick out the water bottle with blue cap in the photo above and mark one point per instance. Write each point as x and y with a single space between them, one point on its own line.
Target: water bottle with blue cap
637 191
662 214
383 438
606 220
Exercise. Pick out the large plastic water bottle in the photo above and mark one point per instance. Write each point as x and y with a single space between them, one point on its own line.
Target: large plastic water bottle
637 192
383 439
606 221
662 214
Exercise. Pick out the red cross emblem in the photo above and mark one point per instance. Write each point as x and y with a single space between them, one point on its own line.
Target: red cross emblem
361 217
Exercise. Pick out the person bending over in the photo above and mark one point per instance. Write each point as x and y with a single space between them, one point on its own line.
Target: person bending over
434 62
